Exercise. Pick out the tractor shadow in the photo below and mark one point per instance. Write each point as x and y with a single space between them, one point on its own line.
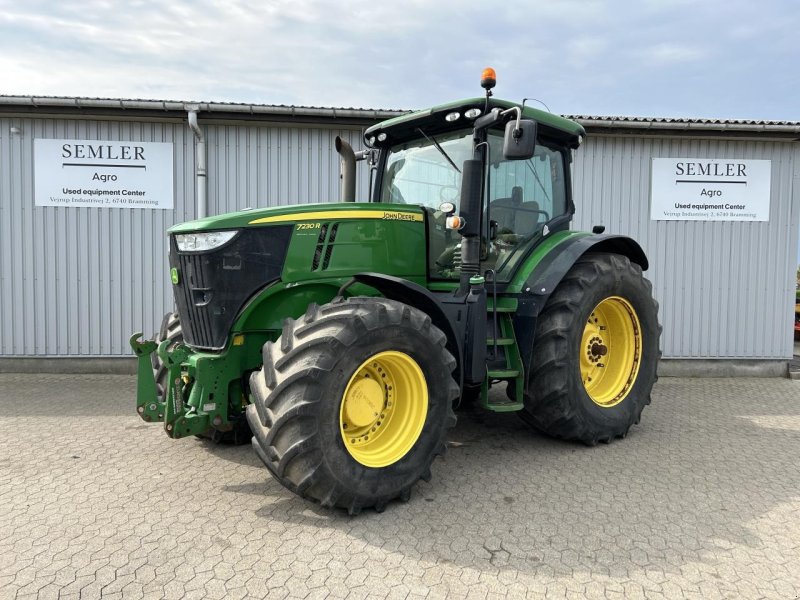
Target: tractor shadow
696 477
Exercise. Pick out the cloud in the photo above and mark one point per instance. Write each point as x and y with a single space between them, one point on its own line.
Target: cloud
669 53
598 56
582 51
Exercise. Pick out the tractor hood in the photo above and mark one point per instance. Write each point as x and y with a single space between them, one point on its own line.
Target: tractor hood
297 213
295 245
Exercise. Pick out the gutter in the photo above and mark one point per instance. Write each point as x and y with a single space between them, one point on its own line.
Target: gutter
688 125
210 107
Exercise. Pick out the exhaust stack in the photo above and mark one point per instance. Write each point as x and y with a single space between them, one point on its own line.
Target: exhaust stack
348 170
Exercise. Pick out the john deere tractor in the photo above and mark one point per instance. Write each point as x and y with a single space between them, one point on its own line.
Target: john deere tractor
341 337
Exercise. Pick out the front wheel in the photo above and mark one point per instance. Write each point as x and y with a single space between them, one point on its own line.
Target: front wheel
595 352
353 402
170 330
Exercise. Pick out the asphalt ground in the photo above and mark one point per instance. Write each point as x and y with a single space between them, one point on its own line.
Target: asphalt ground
702 500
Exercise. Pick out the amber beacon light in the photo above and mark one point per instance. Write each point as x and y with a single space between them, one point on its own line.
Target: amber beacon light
488 78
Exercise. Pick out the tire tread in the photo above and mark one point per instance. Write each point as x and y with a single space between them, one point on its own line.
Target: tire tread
549 401
288 389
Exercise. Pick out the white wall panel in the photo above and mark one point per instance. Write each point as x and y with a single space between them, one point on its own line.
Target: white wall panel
79 281
726 289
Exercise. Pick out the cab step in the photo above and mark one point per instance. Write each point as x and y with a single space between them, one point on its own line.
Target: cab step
503 355
502 374
500 308
507 406
504 305
501 342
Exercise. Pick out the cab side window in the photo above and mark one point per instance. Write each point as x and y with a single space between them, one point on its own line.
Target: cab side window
526 194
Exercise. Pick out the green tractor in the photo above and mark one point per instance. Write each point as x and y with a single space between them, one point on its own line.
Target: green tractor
341 337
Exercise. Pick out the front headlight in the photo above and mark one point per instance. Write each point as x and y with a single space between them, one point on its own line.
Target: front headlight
200 242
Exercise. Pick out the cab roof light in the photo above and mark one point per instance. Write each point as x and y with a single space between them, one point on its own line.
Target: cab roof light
472 113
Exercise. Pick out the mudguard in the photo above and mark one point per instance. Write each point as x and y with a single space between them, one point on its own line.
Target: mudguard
551 270
419 297
546 276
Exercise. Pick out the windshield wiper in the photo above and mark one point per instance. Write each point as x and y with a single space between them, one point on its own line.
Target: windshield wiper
440 149
539 181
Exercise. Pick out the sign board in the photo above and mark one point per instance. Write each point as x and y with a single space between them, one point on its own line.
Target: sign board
709 189
107 174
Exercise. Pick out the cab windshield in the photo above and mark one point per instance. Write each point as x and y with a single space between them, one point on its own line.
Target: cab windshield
417 172
523 196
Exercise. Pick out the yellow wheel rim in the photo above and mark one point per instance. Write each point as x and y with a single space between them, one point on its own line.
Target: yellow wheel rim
383 409
611 351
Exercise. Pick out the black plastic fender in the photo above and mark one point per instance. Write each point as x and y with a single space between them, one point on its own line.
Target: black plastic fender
549 273
413 294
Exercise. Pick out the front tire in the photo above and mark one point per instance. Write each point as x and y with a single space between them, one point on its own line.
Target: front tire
595 352
353 402
170 330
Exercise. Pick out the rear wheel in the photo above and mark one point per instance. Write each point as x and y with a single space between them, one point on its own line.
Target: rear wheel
353 402
595 352
171 330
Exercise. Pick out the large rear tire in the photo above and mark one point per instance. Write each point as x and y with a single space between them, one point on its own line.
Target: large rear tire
596 352
353 402
171 330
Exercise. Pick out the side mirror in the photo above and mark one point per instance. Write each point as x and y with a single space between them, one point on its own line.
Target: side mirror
519 141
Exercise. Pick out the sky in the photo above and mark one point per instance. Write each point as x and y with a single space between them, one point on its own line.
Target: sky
682 58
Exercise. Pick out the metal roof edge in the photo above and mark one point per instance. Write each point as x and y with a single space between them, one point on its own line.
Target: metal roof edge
377 114
686 124
58 102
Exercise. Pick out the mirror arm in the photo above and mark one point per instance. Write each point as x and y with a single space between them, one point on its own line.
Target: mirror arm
519 114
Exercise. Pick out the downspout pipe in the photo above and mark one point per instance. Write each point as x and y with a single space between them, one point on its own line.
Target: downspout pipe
201 178
347 162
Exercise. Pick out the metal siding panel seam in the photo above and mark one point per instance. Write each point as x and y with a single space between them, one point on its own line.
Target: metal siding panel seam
6 216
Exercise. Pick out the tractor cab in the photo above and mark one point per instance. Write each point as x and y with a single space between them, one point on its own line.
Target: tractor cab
420 160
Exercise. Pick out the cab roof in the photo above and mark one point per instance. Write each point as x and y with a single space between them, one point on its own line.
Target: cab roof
550 124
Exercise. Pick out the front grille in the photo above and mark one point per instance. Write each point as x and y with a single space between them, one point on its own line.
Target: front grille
214 286
196 323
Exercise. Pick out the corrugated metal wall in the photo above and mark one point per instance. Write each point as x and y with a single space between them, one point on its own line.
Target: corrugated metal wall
259 166
725 289
79 281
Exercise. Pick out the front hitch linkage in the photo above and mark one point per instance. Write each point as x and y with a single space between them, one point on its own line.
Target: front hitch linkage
180 419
